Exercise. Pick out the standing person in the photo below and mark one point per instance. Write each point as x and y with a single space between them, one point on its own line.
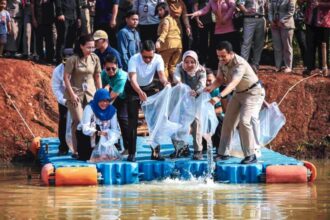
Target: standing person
81 78
29 40
58 88
141 69
148 20
317 19
300 31
282 25
253 30
114 79
244 106
4 25
168 44
205 33
85 17
123 7
103 47
224 28
191 73
106 18
43 17
129 38
178 11
67 21
15 12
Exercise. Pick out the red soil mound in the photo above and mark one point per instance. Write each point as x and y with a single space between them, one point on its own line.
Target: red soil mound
306 107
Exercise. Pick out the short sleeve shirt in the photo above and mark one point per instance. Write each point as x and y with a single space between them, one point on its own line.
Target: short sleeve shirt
83 71
238 68
117 82
4 19
145 72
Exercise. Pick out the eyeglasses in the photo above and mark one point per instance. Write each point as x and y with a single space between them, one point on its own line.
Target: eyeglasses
113 69
90 49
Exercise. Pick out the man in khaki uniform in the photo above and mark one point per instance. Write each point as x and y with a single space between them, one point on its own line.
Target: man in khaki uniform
243 109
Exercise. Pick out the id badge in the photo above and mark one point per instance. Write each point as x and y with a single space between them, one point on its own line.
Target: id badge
145 8
84 86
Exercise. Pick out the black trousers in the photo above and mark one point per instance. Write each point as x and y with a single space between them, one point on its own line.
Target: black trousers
205 42
300 35
122 116
66 36
45 32
133 112
315 36
62 127
148 32
84 146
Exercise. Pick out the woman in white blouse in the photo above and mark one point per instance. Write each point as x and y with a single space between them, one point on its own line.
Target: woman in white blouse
99 125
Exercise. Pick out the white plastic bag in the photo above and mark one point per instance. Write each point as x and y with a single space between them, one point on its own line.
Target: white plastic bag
206 114
156 113
68 133
182 109
271 120
106 150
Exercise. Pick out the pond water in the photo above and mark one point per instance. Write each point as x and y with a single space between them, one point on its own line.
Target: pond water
22 197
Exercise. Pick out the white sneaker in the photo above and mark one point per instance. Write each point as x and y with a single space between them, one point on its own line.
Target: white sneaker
287 70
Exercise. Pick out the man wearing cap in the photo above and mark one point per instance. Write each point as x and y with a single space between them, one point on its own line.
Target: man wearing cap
103 48
243 109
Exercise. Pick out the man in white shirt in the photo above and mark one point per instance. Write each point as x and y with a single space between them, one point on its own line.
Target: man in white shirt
58 88
141 69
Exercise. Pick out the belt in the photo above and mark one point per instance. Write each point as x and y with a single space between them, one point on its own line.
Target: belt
251 87
254 16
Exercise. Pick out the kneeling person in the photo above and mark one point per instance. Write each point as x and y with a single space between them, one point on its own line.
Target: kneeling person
99 119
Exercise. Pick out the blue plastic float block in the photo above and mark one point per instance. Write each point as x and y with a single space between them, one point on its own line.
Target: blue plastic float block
118 172
269 157
187 168
155 170
45 153
238 173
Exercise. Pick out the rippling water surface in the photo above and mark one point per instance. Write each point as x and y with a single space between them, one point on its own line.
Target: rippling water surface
25 198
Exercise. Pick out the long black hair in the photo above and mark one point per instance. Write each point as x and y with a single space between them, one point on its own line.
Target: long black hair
82 41
164 6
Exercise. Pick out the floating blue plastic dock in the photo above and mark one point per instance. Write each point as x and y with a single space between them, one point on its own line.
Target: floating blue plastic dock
123 172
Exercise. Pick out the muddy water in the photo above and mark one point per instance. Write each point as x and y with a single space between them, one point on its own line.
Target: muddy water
24 198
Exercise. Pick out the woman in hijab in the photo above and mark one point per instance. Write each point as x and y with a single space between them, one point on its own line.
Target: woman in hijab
99 120
191 73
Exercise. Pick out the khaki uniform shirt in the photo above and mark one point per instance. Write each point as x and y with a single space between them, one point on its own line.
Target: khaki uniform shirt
238 68
169 34
82 72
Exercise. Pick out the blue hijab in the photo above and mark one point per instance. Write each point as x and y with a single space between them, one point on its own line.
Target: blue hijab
106 114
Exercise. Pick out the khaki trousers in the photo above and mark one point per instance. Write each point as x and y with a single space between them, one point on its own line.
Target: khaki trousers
171 57
76 115
242 110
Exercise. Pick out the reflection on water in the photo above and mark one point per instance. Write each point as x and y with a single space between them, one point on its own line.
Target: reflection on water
23 198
